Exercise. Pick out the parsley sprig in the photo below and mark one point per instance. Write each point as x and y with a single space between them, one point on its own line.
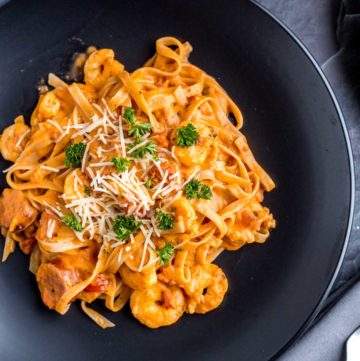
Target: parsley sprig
121 164
72 222
165 221
140 152
148 183
165 253
123 226
187 136
137 130
87 191
130 116
196 190
74 154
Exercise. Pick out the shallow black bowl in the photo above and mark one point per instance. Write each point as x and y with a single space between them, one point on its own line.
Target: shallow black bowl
294 127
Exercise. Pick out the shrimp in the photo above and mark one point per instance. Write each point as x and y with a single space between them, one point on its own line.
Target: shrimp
185 215
49 105
207 288
100 66
138 280
13 139
88 91
246 225
158 305
74 186
199 153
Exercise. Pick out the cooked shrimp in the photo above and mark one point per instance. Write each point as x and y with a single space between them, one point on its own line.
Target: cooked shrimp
198 153
158 305
208 289
185 216
100 66
74 186
248 222
49 105
13 139
138 280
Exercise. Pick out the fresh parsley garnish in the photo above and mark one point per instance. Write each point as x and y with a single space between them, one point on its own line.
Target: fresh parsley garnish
165 253
187 136
130 116
148 183
123 226
74 154
140 129
197 190
121 164
148 148
87 191
137 130
165 221
72 222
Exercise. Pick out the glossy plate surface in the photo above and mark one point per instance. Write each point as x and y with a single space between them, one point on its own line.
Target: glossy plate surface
294 128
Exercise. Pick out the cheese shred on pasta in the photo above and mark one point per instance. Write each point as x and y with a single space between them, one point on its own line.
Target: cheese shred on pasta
129 186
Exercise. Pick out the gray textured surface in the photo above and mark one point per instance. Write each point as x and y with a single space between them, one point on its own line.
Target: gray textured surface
334 44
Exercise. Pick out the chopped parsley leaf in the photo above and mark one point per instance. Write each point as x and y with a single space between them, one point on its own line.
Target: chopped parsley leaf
121 164
165 253
72 222
74 154
130 116
138 130
187 136
165 221
148 148
197 190
125 225
148 183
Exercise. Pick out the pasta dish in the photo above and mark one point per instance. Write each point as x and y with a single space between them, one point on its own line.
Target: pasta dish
128 186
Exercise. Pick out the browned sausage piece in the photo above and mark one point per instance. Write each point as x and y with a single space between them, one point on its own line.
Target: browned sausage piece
16 212
54 282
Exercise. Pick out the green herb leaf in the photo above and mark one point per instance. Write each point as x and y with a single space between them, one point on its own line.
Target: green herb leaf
138 130
120 164
130 116
125 225
165 253
74 154
148 148
87 191
187 136
148 183
197 190
165 221
72 222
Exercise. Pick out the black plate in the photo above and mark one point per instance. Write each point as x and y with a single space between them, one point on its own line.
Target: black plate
295 128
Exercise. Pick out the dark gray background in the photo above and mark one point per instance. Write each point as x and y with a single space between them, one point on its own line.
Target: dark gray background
330 30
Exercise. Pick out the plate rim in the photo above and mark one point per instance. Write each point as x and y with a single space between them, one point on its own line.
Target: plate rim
309 321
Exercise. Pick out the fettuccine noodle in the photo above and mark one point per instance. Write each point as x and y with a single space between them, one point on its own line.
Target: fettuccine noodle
130 185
